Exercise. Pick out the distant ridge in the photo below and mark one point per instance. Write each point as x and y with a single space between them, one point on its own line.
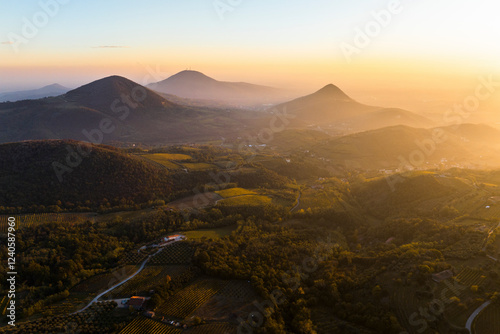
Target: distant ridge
46 91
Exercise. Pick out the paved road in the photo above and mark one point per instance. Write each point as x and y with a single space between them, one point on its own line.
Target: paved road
473 316
122 282
298 202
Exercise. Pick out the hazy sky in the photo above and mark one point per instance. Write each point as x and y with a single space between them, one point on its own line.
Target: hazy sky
294 43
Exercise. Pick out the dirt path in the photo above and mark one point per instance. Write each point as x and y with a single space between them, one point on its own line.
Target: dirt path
143 264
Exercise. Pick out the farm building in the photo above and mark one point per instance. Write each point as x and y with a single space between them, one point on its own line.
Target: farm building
444 275
136 302
174 237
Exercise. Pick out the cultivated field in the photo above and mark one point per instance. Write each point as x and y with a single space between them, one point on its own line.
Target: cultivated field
143 325
187 300
196 166
214 233
226 193
250 200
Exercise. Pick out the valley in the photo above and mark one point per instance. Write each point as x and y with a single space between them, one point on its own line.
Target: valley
358 241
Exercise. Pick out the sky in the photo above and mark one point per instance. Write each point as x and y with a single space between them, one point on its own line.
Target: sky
368 48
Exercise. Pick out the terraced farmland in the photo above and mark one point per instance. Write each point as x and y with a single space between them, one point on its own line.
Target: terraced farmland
143 325
235 297
186 301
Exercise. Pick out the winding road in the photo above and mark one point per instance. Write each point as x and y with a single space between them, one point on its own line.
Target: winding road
298 202
143 264
473 316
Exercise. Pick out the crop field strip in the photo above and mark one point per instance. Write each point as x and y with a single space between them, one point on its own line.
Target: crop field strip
166 164
198 166
143 325
231 192
186 301
251 200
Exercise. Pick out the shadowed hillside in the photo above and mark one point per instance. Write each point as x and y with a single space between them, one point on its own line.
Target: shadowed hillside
63 173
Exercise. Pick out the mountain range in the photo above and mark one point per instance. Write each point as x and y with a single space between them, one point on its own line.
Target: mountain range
116 109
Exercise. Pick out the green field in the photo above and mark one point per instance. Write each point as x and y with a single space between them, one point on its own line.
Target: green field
226 193
250 200
165 159
196 166
210 233
169 157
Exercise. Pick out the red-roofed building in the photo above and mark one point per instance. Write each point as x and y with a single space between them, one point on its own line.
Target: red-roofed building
136 302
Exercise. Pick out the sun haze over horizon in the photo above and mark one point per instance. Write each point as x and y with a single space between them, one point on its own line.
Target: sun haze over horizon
390 46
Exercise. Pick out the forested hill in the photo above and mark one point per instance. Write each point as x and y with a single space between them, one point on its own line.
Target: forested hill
71 174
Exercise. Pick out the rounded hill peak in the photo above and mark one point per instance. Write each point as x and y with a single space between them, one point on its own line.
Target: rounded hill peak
331 90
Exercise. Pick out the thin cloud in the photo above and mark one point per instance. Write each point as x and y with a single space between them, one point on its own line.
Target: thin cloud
7 42
110 47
